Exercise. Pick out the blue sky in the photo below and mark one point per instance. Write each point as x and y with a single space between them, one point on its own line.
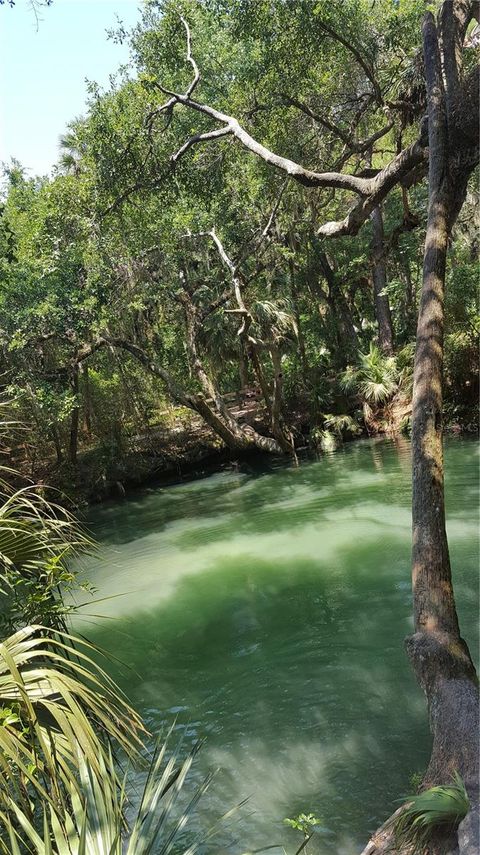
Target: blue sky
43 72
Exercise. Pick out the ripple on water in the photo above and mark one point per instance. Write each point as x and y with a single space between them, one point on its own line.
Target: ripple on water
266 612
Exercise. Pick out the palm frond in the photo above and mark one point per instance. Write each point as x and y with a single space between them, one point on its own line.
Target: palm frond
37 538
274 319
376 377
65 710
341 423
94 823
437 807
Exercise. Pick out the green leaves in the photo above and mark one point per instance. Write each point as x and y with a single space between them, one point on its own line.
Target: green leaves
304 822
376 376
59 787
57 692
37 539
340 424
438 807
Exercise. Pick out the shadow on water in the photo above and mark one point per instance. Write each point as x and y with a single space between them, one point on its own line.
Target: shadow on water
271 621
242 491
297 689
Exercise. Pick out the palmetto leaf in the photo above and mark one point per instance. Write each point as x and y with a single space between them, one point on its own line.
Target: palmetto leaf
339 423
94 824
376 377
348 379
67 708
36 540
377 391
274 319
55 754
32 529
437 806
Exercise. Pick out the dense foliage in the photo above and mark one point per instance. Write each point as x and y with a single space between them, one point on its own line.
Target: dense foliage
109 267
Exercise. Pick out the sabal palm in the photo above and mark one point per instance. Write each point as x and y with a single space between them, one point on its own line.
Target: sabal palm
70 153
376 376
274 320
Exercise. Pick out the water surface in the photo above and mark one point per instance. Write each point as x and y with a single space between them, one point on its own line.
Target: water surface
265 611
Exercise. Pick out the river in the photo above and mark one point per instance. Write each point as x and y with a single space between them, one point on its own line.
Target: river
264 610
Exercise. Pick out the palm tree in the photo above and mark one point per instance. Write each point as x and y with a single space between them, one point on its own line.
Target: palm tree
376 378
71 152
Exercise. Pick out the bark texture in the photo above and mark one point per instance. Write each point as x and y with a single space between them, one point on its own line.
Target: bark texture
439 656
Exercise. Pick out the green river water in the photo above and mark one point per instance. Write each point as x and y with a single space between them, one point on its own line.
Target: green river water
264 610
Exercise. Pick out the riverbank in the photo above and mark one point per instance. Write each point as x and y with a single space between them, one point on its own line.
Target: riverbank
185 448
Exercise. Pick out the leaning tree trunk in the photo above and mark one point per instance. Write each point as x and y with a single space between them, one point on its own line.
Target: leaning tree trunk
235 436
440 657
238 437
379 275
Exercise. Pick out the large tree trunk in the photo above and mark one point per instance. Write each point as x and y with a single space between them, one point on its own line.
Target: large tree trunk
440 657
379 275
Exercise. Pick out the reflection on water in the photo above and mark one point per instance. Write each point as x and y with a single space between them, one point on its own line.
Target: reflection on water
266 612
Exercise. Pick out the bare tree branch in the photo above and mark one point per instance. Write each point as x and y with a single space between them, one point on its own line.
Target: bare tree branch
304 176
190 59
